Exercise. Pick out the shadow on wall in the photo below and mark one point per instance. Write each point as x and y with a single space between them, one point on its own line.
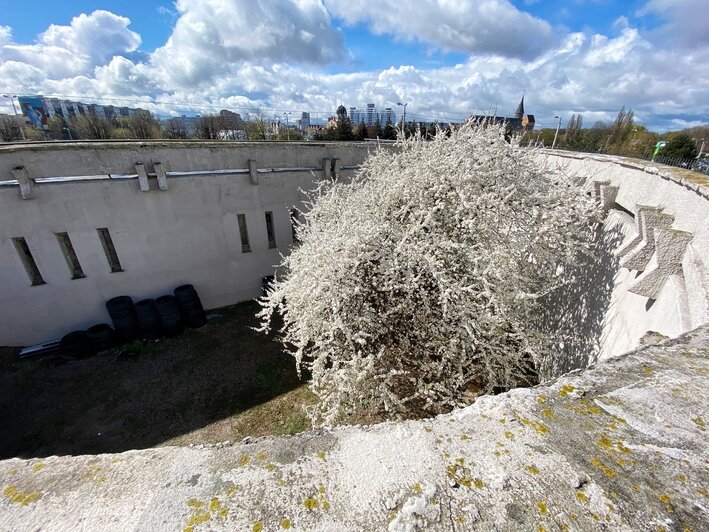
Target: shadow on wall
575 313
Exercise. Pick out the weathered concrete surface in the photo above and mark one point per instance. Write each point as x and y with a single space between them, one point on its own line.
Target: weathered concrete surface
621 446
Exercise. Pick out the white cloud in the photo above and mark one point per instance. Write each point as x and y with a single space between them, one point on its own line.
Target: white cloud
64 51
480 27
211 35
686 22
211 61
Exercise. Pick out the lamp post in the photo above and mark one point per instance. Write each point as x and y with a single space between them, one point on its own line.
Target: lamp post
558 125
22 125
287 127
403 117
68 131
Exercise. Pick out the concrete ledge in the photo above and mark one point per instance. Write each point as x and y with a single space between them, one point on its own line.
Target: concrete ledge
621 446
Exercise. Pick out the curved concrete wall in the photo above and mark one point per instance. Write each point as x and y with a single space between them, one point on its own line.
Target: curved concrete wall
171 209
662 284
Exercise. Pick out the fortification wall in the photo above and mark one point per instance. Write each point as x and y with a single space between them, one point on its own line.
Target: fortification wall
662 279
171 211
187 233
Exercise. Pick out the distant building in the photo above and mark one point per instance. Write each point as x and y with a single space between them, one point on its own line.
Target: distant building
37 110
371 115
304 121
520 122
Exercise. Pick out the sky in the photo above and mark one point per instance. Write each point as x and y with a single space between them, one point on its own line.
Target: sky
444 58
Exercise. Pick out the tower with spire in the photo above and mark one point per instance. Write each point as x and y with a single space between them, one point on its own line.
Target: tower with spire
519 113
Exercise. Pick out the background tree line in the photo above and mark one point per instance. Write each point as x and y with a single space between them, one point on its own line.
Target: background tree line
622 137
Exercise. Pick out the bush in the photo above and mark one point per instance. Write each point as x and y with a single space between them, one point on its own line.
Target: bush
420 279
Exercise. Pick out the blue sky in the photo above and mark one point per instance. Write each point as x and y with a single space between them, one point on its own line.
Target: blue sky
444 57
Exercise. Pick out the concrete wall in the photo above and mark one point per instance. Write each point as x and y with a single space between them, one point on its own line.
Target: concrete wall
163 238
662 283
188 233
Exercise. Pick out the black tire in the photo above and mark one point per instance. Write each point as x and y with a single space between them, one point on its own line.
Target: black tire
124 319
75 345
190 306
169 313
148 319
101 337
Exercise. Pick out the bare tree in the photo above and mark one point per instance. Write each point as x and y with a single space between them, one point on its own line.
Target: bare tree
92 126
142 125
175 129
10 128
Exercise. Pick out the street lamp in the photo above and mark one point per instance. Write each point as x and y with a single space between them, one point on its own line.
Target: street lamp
68 131
403 117
558 125
22 125
287 127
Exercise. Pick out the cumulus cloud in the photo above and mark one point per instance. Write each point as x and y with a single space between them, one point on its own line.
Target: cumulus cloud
479 27
218 57
210 35
64 51
685 22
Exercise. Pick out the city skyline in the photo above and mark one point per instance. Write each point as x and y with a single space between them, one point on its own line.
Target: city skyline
444 60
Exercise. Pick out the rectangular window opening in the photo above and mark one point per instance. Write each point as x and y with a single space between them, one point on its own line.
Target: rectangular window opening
70 256
28 262
243 233
269 230
294 220
109 249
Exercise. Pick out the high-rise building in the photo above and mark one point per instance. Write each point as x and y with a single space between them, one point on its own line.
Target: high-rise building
304 122
371 116
38 109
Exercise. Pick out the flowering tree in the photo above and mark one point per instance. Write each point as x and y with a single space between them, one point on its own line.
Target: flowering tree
419 280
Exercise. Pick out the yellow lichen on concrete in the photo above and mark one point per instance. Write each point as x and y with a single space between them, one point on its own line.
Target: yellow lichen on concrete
539 427
20 497
39 466
565 390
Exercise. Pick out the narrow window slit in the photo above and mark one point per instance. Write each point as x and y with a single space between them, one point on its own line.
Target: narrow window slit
269 230
294 224
243 233
70 256
109 250
28 262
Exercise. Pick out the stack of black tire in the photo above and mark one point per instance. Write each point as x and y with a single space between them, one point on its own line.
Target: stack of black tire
148 319
169 313
124 318
190 306
83 344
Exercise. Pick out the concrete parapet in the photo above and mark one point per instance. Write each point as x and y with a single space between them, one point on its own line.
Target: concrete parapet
327 168
620 446
670 246
23 178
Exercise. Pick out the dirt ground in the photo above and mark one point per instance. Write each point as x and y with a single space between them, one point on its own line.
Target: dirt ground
222 382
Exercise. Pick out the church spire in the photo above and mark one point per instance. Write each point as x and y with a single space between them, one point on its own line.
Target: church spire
519 113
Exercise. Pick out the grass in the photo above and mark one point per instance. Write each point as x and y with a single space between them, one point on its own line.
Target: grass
222 382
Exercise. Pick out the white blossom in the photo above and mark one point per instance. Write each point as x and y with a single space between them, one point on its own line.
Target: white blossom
421 277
